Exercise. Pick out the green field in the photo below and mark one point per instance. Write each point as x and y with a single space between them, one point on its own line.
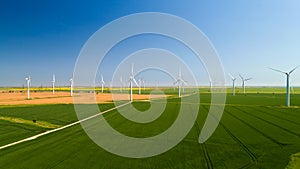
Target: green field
256 131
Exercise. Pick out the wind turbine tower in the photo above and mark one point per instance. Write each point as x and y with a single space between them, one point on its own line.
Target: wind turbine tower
288 74
179 81
244 83
233 84
121 82
140 85
53 83
102 83
71 86
131 81
28 86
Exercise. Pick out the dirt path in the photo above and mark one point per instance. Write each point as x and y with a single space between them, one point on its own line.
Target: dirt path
64 98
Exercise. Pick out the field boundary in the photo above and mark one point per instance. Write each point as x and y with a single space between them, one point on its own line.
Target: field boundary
60 128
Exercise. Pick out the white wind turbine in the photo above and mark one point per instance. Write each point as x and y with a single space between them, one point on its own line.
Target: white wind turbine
53 83
121 82
28 86
144 85
210 85
288 99
179 81
131 80
243 83
71 85
233 84
140 85
102 83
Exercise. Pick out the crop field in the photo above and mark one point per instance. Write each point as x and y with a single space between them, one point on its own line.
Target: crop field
256 131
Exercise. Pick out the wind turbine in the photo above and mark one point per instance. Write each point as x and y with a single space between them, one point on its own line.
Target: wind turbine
121 81
233 84
140 85
53 83
288 100
210 85
71 85
28 86
131 80
102 83
179 81
243 84
143 81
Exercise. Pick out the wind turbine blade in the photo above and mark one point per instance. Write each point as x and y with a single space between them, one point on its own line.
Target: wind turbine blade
231 76
174 78
276 70
248 79
241 77
135 81
294 69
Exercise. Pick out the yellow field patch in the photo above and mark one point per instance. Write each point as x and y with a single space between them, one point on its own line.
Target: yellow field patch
42 124
294 161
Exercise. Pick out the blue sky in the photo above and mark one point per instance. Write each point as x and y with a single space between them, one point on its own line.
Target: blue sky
39 38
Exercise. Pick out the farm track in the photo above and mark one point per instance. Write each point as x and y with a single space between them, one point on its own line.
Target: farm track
268 122
257 130
240 143
278 117
209 163
237 140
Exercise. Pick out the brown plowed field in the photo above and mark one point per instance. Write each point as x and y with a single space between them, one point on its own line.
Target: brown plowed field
64 98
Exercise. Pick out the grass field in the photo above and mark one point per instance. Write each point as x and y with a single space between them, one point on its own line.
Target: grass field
256 131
